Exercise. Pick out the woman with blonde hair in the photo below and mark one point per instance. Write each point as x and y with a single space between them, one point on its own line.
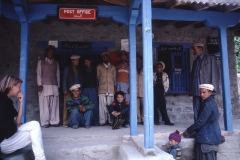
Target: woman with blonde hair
13 135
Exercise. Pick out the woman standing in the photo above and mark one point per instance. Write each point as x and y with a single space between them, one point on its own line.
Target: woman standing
161 85
208 134
13 135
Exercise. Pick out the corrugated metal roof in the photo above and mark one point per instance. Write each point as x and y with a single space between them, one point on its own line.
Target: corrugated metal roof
211 2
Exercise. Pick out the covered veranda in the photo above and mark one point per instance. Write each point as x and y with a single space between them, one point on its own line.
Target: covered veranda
139 12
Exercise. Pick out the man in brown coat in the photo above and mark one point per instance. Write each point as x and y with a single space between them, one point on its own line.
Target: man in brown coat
106 74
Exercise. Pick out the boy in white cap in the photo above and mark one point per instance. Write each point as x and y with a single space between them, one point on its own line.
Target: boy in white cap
161 85
206 126
71 76
79 107
204 71
106 74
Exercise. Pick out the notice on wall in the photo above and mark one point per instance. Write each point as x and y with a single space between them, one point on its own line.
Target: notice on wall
125 45
53 43
76 45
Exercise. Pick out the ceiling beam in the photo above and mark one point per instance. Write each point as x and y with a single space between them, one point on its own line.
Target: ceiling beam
199 25
231 8
182 24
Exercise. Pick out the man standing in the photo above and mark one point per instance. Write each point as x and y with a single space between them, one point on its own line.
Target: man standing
48 80
204 71
71 76
123 75
90 87
140 108
79 107
106 74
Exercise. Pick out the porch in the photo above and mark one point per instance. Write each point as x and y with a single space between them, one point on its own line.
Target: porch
104 143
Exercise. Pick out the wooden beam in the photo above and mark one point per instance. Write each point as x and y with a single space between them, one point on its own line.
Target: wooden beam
103 21
199 25
182 24
200 6
231 8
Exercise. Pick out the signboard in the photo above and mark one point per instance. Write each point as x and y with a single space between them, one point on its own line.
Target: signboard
76 45
212 45
78 13
125 45
171 48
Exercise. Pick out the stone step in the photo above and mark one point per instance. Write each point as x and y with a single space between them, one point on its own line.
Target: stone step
128 152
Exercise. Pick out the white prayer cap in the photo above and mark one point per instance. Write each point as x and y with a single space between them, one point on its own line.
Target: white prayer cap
197 44
207 86
75 86
104 53
161 62
75 57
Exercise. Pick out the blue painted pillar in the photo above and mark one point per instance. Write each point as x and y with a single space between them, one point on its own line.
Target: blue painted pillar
133 80
225 80
148 74
24 65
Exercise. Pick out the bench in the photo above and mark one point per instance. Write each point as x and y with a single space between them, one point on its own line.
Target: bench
25 153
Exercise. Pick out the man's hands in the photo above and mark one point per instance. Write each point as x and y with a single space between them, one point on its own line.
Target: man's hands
115 114
82 108
65 93
40 88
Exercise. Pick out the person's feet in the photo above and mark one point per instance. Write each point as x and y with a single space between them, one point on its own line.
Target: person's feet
169 123
75 127
87 127
65 125
126 125
157 123
46 126
55 125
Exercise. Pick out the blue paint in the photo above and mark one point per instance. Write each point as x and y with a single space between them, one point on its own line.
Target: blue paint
0 7
148 74
135 4
22 13
133 80
23 70
225 81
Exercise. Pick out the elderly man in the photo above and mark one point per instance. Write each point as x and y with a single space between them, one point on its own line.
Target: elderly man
71 76
204 71
48 80
79 107
106 74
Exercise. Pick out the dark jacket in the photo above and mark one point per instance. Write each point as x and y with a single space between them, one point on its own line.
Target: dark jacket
206 126
7 114
119 107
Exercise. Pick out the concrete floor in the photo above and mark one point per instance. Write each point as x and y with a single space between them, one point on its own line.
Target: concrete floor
67 143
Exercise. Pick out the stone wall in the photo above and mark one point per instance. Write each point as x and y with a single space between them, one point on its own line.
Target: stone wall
179 106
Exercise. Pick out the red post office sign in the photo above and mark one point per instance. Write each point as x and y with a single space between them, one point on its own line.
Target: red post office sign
78 13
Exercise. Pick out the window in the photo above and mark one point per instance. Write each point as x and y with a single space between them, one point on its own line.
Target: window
176 59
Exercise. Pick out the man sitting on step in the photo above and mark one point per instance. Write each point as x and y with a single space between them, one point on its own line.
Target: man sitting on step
79 107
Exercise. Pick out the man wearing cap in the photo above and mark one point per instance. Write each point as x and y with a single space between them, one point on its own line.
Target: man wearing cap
106 74
208 133
79 107
71 76
48 80
204 70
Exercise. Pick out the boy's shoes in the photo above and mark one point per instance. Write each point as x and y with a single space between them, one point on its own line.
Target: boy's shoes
169 123
46 126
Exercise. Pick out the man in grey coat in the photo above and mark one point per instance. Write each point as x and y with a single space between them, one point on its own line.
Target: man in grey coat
204 71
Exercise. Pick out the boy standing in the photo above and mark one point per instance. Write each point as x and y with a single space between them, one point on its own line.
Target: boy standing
174 140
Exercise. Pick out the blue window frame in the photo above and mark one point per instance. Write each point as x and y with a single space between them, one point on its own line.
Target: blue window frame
176 66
